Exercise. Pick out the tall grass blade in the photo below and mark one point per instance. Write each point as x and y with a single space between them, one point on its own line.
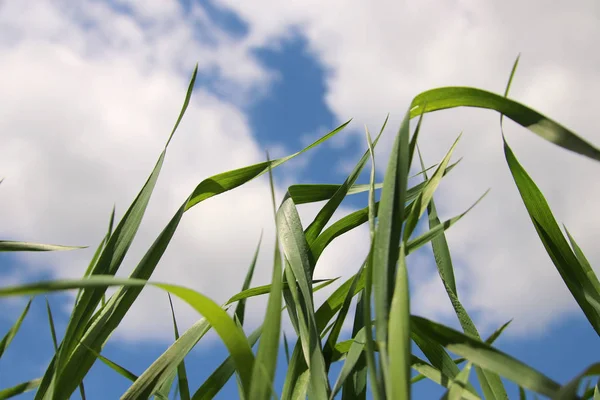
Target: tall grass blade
11 245
265 364
12 332
21 388
240 309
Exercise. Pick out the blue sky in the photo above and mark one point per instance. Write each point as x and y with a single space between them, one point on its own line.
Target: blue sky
105 82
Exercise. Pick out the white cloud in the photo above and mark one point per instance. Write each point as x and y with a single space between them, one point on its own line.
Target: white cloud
89 97
378 55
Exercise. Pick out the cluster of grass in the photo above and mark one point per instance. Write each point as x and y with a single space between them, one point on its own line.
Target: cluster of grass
377 361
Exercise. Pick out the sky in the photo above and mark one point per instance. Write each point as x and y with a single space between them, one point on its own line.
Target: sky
90 91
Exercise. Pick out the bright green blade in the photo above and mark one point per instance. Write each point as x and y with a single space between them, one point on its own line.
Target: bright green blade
265 289
10 245
298 268
457 387
115 367
385 281
182 383
265 364
399 334
223 182
163 366
449 97
487 357
231 334
355 385
352 358
426 195
12 332
356 219
240 309
21 388
579 278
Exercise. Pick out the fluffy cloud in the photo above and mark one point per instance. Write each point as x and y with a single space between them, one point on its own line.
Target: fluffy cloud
90 94
380 54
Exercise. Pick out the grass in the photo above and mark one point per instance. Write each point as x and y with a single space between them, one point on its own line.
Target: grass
377 362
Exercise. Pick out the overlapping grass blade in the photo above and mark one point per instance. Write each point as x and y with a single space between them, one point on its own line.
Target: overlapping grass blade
11 245
265 365
392 323
12 332
298 268
450 97
231 334
325 214
491 384
487 357
182 383
458 386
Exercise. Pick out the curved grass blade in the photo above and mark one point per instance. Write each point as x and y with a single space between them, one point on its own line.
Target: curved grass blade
581 281
21 388
313 192
265 289
12 332
487 357
223 182
11 245
230 333
450 97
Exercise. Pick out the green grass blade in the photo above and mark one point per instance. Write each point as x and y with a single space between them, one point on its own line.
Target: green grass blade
426 195
211 386
265 289
385 258
182 382
230 333
296 251
450 97
313 192
355 385
458 386
399 334
21 388
487 357
223 182
581 281
163 366
12 332
354 354
569 391
265 365
11 245
115 367
51 324
240 309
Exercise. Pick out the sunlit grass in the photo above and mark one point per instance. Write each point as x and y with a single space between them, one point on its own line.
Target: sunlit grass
377 362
